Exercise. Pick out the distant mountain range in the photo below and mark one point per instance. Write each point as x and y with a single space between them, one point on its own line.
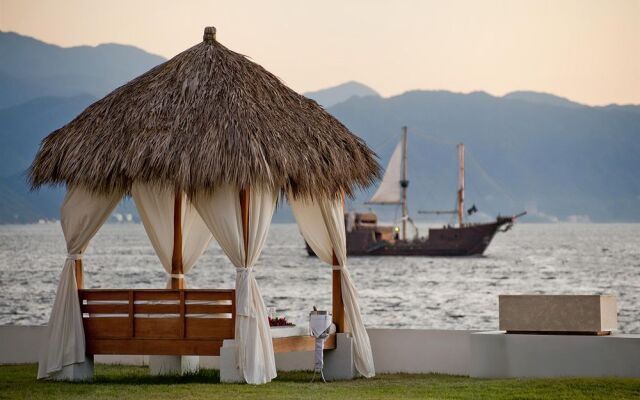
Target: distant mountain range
337 94
42 87
31 68
558 159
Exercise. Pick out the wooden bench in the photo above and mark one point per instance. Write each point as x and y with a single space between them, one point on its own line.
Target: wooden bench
167 322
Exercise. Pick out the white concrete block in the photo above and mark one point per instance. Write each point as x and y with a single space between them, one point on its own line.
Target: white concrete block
111 359
500 355
173 365
20 344
190 364
229 371
81 372
209 362
420 351
558 313
295 361
338 363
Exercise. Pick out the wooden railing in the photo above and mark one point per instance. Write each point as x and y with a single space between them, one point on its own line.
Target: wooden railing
157 322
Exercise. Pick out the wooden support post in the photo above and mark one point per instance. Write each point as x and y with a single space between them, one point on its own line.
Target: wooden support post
338 304
183 311
245 201
79 274
131 312
336 292
176 259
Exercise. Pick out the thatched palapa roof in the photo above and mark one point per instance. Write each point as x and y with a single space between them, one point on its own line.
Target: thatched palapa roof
205 117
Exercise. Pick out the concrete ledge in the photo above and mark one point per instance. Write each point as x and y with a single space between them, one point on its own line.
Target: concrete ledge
20 344
229 370
420 351
479 354
82 372
500 355
338 363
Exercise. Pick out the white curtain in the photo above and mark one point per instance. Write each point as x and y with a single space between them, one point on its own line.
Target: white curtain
82 214
221 212
156 207
322 225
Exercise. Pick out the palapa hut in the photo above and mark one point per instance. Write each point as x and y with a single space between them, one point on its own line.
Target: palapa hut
205 143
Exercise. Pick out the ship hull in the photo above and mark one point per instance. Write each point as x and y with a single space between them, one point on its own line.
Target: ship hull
468 240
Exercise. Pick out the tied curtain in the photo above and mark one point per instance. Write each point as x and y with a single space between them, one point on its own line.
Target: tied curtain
155 205
82 214
221 211
321 222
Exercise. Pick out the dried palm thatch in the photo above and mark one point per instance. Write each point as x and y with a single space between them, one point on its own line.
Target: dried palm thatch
206 117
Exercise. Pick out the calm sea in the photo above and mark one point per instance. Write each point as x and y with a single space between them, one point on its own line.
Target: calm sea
440 293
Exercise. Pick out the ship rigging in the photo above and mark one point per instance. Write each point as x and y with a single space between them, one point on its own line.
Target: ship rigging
365 237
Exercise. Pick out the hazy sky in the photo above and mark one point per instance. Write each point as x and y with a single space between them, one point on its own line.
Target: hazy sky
587 50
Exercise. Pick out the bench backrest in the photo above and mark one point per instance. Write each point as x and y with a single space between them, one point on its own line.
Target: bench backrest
151 321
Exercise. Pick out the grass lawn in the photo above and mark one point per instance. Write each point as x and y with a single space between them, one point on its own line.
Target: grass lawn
127 382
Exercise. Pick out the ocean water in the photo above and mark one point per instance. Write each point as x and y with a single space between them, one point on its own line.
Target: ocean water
416 292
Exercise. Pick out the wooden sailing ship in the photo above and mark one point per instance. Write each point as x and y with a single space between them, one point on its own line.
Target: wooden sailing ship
366 238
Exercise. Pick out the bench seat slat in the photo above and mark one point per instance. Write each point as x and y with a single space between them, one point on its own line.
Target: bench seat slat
157 328
156 308
202 328
105 308
157 295
109 327
154 347
103 294
209 308
209 295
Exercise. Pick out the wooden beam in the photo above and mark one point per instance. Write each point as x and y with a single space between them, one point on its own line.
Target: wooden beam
245 201
542 333
194 346
337 301
183 322
176 259
157 294
207 347
79 274
105 308
338 304
301 343
130 311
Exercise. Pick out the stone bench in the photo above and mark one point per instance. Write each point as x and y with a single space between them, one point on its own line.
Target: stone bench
558 314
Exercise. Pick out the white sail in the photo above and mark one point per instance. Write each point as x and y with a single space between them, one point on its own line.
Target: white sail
390 191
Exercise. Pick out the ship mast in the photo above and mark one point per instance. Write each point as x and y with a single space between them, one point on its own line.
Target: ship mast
404 183
460 183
